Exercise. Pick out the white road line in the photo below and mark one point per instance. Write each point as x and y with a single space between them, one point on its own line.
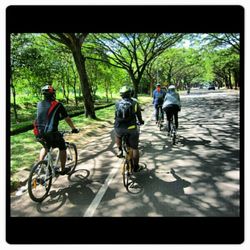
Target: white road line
95 203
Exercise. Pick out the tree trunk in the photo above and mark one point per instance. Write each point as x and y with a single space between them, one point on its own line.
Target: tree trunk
81 68
14 99
229 79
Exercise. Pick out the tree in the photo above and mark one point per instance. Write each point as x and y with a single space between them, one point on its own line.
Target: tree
74 42
225 40
132 52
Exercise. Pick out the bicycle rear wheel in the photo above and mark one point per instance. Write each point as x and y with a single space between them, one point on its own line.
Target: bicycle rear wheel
126 174
72 157
39 182
173 133
174 138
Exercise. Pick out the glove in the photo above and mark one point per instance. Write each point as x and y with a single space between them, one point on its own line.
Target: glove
141 122
75 130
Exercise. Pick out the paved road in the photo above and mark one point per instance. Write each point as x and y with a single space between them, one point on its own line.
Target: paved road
206 164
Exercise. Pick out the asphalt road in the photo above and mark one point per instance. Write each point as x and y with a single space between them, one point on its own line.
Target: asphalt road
205 163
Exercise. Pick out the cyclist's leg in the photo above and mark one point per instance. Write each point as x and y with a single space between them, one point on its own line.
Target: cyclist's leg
169 117
43 153
44 150
133 143
162 113
57 141
175 113
118 141
176 119
156 113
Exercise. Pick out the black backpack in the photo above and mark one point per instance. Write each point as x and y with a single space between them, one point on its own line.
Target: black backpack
124 110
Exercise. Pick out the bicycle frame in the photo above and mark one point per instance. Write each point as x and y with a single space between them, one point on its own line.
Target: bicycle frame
50 160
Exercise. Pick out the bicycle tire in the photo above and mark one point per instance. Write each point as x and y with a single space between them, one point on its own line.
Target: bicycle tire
40 180
71 157
125 174
174 139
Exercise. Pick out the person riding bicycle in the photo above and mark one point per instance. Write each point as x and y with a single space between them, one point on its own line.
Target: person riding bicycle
127 112
49 112
158 97
172 105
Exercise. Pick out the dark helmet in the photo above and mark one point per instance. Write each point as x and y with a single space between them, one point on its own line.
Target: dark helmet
125 91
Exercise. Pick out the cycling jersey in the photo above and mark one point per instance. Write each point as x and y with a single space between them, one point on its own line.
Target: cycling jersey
171 98
48 115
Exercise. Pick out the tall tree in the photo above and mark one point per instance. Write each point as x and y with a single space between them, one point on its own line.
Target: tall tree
225 40
132 51
74 42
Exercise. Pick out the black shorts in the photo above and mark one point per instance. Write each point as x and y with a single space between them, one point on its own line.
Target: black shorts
172 109
54 140
133 136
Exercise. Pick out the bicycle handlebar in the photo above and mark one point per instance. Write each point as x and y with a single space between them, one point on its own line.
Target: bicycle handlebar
65 132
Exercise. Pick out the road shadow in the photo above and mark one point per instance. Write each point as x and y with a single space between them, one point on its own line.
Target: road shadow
77 193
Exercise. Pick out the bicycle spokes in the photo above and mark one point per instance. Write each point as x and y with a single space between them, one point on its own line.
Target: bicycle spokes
39 182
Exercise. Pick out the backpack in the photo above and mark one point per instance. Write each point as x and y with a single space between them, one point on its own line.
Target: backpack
124 110
53 105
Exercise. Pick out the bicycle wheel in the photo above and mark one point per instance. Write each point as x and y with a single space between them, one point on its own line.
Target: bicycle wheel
72 157
174 138
126 174
39 182
173 133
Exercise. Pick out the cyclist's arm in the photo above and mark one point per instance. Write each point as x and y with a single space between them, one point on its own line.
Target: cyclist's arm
138 114
70 123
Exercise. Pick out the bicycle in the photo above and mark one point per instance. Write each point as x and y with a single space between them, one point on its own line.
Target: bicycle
173 131
42 173
127 168
160 118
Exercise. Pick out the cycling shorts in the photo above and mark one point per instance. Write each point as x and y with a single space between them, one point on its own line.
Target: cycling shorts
133 136
52 139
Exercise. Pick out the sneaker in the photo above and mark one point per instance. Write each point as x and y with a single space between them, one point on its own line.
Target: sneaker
120 153
65 171
57 171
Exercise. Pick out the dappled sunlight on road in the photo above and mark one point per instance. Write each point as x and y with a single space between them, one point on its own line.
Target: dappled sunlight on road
199 176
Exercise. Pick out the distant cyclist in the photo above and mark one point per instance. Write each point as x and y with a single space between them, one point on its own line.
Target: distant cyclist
49 112
127 112
172 105
158 98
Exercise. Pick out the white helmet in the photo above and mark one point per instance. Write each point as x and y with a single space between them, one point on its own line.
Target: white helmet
171 87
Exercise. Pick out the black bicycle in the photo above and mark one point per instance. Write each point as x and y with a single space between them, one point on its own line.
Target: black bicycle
42 173
173 131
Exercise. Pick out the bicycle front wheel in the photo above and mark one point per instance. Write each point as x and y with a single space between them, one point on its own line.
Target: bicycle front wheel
72 157
39 182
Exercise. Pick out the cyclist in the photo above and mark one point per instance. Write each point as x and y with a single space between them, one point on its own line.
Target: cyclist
158 97
127 111
172 105
49 112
